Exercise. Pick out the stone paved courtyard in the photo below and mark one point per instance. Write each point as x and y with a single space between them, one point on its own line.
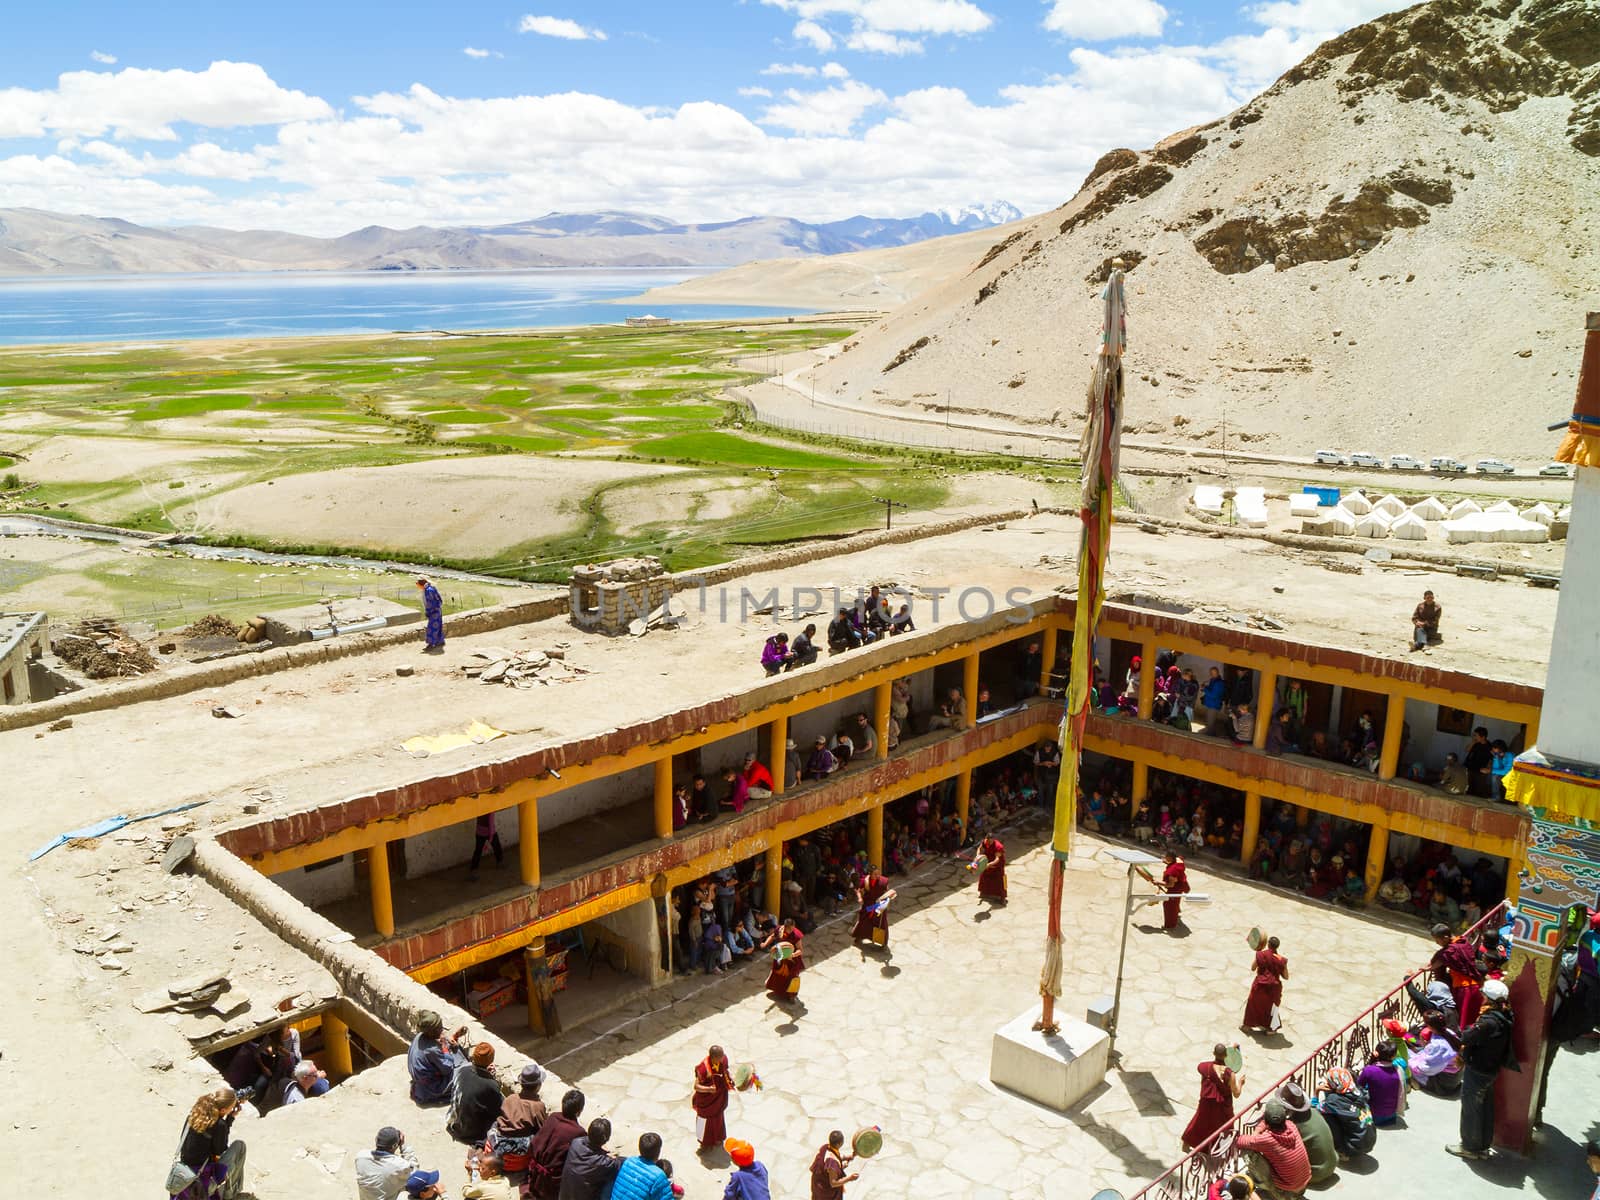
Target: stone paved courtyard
902 1040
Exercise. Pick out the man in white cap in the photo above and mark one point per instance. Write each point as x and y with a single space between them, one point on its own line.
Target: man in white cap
791 764
1485 1049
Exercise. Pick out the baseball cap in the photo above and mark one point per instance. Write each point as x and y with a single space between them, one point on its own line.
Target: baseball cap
419 1180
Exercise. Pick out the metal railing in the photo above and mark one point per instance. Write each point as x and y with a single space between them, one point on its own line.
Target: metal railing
1351 1047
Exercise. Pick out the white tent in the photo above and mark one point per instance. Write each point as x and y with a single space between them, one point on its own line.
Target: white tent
1409 527
1540 512
1335 522
1250 507
1494 527
1464 508
1356 503
1374 525
1302 504
1430 509
1390 506
1208 499
1502 506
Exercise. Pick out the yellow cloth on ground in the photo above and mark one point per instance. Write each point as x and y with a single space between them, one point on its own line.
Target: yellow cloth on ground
427 744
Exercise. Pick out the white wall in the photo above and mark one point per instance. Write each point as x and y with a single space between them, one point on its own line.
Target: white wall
323 885
596 796
1429 746
1567 725
635 926
826 721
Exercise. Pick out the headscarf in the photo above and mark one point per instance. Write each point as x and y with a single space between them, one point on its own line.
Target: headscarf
482 1054
1339 1079
211 1108
1440 996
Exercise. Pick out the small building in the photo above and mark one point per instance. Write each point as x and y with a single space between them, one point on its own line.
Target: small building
648 321
22 641
611 596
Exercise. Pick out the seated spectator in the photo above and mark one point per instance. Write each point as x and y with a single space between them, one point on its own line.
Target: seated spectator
702 801
863 737
1236 1187
1453 778
424 1185
433 1060
875 611
821 764
757 779
486 1178
641 1178
1244 725
1425 622
775 653
1280 734
1275 1156
741 945
304 1083
475 1097
791 763
1385 1083
1344 1107
548 1154
590 1169
802 651
842 633
207 1150
1314 1131
521 1117
748 1180
952 712
381 1172
1442 910
680 806
901 622
738 791
985 705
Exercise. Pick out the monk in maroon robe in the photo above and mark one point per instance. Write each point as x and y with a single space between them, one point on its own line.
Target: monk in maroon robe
992 883
1219 1088
1174 882
783 981
712 1083
1455 963
873 890
1266 992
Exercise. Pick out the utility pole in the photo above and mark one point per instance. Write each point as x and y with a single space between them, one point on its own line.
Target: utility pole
888 509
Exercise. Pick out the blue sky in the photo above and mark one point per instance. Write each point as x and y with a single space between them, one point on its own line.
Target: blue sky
324 117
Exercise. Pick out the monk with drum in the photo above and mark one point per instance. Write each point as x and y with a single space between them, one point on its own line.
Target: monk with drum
990 862
872 923
783 981
712 1083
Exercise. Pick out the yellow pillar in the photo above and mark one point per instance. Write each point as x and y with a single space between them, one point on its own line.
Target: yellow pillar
1141 784
1302 816
1048 646
1377 854
382 894
543 1018
528 841
337 1059
1252 826
1530 736
875 836
663 796
880 717
774 876
1394 720
1264 704
777 735
1147 679
964 800
969 687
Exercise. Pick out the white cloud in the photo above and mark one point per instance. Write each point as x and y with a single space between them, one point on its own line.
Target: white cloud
1097 20
831 112
803 70
875 41
136 103
100 56
815 35
833 70
560 27
1322 17
475 52
755 91
895 16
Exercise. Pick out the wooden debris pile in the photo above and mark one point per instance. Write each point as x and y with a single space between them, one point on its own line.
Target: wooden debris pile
102 649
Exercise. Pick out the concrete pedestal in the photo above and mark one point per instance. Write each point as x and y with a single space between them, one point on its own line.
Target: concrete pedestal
1058 1070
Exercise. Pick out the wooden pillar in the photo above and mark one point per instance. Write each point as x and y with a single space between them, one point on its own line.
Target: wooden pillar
777 736
1302 816
382 893
969 687
880 717
1252 826
964 800
875 836
1049 644
1147 679
663 796
1377 855
337 1059
1530 735
1394 721
528 841
1141 784
542 1016
1265 693
774 875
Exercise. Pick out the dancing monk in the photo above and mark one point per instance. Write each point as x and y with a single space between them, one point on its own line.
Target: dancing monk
872 923
1266 992
712 1082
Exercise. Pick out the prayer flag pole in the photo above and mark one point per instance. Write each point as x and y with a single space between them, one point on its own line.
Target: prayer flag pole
1102 437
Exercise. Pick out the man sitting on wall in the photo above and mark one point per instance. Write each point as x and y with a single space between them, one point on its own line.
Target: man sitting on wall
1453 778
821 764
433 1059
842 633
1425 622
802 651
757 779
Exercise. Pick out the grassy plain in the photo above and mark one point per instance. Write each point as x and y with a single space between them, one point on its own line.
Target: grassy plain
592 443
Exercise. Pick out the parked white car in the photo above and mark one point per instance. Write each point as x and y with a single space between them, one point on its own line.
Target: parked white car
1404 462
1493 466
1362 459
1329 458
1448 465
1562 470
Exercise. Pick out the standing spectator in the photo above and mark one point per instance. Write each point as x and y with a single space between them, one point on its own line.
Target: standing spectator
475 1097
1029 670
485 834
1047 763
1425 622
548 1154
1485 1049
433 613
381 1172
1276 1156
1479 763
1213 698
641 1178
1500 763
791 764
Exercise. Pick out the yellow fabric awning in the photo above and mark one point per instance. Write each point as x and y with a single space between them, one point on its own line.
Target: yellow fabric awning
1559 794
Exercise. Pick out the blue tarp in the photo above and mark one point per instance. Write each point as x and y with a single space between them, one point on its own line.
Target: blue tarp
109 825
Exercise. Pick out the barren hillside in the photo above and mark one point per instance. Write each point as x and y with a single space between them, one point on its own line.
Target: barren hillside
1391 248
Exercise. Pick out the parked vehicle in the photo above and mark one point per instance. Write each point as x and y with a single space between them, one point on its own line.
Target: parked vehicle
1562 470
1362 459
1493 466
1404 462
1447 465
1329 458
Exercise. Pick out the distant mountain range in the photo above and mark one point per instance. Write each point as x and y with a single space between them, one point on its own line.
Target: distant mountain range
35 242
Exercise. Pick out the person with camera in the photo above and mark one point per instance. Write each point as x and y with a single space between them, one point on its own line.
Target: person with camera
433 1060
209 1165
381 1172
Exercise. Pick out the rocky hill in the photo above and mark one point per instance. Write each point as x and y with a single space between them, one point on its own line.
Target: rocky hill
1390 249
34 242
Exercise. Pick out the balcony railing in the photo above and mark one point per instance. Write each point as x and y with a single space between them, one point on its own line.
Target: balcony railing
1350 1047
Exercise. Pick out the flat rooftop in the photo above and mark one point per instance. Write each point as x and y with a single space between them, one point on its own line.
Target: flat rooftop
16 626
